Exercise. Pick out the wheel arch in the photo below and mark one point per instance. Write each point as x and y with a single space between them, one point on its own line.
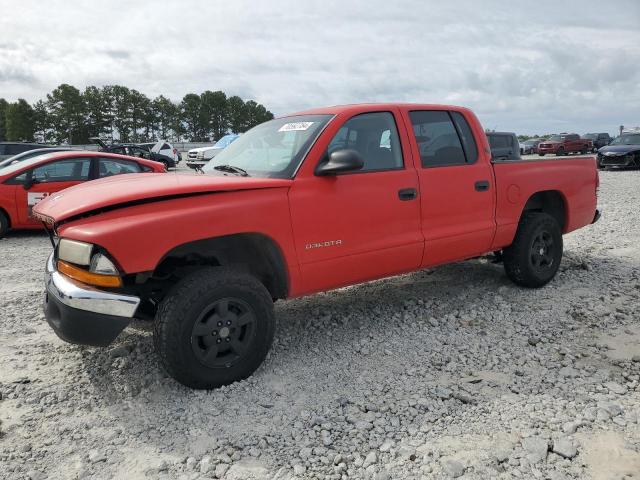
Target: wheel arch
7 216
254 252
551 202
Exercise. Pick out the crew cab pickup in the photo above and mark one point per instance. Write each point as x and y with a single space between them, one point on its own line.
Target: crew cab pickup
301 204
564 144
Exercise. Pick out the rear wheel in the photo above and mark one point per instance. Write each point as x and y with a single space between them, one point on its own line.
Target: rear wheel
214 327
560 152
534 257
4 224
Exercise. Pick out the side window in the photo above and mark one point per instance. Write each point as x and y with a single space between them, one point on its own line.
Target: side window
375 137
437 138
109 166
139 152
468 140
68 170
18 179
500 141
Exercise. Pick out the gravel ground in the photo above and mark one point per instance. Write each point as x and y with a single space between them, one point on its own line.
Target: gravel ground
445 373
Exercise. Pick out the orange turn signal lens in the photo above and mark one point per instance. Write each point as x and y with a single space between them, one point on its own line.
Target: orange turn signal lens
96 279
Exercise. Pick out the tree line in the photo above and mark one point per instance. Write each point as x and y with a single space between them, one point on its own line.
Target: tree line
118 113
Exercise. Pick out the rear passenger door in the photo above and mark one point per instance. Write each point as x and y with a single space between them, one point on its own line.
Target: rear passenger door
457 191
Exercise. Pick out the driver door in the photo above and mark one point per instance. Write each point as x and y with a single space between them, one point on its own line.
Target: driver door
359 225
47 179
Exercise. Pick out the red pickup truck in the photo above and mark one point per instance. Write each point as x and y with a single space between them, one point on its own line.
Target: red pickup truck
301 204
564 144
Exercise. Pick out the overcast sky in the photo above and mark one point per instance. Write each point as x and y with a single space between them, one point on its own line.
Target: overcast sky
529 67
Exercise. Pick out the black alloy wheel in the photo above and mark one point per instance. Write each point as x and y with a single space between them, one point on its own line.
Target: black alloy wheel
542 253
223 332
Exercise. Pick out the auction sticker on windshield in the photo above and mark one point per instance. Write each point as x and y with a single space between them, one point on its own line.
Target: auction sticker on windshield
290 127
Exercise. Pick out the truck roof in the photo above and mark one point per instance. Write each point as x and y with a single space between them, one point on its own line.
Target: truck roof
364 107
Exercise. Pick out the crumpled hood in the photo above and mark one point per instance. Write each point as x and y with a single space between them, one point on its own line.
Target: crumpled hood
122 190
620 149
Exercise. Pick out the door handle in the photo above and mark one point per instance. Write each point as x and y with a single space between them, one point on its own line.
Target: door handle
406 194
482 185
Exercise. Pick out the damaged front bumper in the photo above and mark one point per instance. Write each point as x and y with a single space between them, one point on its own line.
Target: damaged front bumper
81 314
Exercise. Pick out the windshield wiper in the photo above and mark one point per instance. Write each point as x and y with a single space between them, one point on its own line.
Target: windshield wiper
231 169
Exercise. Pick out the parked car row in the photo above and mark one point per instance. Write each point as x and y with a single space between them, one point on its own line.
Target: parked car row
28 179
199 157
160 151
565 143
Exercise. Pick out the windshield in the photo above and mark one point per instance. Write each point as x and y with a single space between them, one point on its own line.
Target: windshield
590 136
226 140
272 149
556 138
627 140
531 142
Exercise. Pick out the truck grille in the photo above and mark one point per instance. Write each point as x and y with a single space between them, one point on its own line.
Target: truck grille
193 155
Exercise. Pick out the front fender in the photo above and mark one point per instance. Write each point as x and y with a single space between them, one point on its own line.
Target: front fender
139 236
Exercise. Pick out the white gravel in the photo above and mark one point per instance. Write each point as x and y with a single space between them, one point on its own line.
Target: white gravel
448 373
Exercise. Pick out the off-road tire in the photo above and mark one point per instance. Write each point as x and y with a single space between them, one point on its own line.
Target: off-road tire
181 309
519 256
4 224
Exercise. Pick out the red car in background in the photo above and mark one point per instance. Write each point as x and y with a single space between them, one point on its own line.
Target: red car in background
564 144
24 184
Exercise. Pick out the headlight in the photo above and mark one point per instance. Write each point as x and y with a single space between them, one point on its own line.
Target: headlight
74 251
74 255
101 264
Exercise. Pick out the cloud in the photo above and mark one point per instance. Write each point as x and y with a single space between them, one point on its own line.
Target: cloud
118 54
525 67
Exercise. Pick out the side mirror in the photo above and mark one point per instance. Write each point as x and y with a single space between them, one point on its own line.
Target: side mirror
340 161
28 183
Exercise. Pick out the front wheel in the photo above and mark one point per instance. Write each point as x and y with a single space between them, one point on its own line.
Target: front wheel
533 259
214 328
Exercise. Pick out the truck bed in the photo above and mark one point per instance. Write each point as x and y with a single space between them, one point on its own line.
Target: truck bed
517 180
